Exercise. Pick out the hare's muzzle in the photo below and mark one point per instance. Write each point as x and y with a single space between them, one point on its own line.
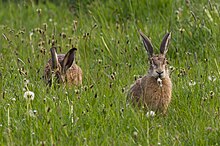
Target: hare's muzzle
160 73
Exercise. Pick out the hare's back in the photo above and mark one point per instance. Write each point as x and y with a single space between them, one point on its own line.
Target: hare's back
74 75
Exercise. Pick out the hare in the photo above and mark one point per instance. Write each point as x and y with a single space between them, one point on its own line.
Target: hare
154 90
63 68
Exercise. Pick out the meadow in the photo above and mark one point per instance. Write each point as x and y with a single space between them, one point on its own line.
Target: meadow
111 55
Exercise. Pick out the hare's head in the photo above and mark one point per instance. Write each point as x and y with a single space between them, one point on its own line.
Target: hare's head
61 63
158 62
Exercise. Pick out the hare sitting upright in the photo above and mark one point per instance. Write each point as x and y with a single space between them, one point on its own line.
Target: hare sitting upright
62 68
154 90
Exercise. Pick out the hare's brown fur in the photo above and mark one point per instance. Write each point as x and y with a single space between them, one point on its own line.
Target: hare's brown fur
72 76
147 91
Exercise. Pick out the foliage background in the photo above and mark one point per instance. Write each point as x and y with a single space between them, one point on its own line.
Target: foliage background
111 56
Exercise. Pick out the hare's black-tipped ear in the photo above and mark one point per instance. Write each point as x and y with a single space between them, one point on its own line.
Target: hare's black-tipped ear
165 43
55 62
147 44
68 59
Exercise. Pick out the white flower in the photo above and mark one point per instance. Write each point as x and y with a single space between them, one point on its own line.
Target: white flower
135 133
26 82
29 95
212 78
32 113
192 83
150 114
13 99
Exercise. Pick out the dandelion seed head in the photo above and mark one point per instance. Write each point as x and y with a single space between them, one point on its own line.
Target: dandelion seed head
192 83
150 114
29 95
212 78
135 133
13 99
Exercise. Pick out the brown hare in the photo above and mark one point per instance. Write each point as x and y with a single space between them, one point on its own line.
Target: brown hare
61 68
153 90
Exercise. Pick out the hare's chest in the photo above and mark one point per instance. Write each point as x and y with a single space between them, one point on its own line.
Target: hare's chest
153 92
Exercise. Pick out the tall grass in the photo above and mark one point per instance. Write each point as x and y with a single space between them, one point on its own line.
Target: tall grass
111 56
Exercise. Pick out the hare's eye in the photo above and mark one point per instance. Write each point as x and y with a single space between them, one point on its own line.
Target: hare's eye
154 65
165 61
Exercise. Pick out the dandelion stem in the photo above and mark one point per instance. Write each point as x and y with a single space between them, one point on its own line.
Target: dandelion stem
9 130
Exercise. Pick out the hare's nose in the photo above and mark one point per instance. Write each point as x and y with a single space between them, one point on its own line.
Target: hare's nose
159 72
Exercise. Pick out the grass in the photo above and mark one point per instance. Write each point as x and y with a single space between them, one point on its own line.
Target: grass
111 55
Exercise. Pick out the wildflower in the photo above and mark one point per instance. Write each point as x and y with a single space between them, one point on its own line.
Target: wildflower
212 94
38 11
204 98
135 133
54 98
181 30
150 114
99 61
29 95
76 91
212 78
13 99
172 68
26 82
32 113
192 83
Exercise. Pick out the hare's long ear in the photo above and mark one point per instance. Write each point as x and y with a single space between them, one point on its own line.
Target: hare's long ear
147 44
68 59
55 62
165 43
